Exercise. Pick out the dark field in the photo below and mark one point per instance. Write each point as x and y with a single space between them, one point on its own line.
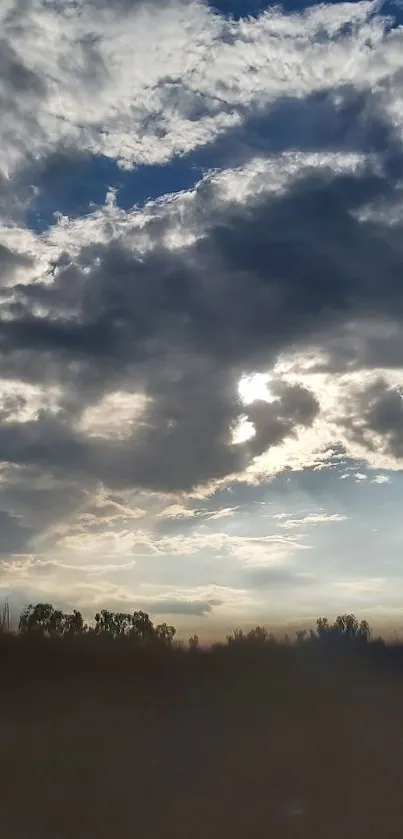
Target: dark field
282 742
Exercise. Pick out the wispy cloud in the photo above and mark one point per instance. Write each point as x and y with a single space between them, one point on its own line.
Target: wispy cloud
381 479
313 519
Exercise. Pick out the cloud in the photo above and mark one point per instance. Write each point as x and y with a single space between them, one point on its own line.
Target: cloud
198 608
14 535
32 506
108 543
11 261
161 454
360 586
177 511
204 601
376 418
110 509
381 479
90 569
89 76
113 319
312 519
124 334
272 550
223 513
279 578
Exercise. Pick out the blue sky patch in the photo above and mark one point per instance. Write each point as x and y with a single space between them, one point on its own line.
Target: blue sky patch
237 9
74 185
240 8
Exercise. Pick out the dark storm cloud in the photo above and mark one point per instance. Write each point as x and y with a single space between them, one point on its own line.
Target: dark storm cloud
315 258
184 442
263 277
363 345
376 418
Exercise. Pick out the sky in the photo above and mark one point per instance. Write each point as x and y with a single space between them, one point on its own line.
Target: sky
201 319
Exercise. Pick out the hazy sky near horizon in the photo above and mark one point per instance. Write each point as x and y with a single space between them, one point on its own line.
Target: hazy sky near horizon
201 321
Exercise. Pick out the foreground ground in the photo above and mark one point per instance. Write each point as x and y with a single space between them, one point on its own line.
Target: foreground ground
282 745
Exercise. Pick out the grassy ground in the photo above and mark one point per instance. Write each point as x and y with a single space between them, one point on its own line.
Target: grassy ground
285 743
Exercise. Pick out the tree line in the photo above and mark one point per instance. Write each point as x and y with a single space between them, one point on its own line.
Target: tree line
44 620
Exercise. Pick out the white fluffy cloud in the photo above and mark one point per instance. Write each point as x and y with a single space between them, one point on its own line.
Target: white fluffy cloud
143 82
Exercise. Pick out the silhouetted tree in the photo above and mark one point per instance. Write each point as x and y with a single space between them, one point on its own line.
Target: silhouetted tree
74 624
137 626
346 625
165 634
105 622
323 628
114 624
43 619
364 631
258 637
142 627
345 628
193 643
5 618
237 638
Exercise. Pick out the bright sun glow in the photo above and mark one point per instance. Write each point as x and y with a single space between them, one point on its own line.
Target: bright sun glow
254 387
250 389
243 431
